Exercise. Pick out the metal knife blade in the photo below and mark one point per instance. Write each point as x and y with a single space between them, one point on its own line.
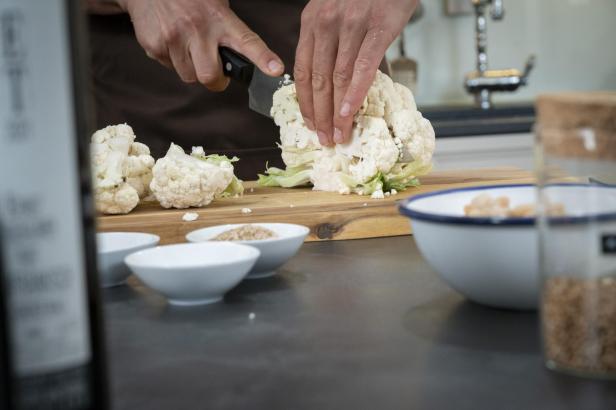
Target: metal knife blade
261 87
261 92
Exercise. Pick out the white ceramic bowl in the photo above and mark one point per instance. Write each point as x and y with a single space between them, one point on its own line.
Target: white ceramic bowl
274 252
193 273
113 247
494 261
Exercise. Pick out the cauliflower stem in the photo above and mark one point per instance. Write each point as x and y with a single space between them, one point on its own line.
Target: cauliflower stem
289 178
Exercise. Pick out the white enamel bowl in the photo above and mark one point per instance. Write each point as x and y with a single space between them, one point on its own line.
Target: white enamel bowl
494 261
275 252
113 247
193 273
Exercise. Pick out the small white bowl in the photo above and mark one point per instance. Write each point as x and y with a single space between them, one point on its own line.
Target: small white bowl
494 261
193 273
113 247
275 252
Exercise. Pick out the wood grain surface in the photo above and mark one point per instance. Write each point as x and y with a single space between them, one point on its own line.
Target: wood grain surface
330 216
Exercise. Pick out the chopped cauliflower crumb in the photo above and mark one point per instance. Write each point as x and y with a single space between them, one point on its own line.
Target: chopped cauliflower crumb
190 216
246 210
377 195
394 192
252 316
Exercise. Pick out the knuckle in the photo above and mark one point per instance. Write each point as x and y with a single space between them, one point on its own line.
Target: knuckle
320 81
301 74
215 10
327 15
249 38
306 17
341 78
172 32
352 17
363 65
207 77
153 47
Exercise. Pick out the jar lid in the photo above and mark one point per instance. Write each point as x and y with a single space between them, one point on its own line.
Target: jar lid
577 110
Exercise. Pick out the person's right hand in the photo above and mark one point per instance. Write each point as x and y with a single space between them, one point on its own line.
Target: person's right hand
184 35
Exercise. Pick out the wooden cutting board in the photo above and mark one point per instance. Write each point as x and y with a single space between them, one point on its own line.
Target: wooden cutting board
330 216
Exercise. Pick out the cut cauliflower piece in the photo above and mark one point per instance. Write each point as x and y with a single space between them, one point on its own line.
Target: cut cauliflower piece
329 172
122 169
184 181
372 149
391 144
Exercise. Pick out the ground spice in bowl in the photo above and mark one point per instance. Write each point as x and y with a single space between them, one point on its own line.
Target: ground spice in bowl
579 324
246 233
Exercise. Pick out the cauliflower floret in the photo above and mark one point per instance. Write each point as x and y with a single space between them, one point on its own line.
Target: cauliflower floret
416 134
299 136
285 106
183 181
122 169
140 163
372 149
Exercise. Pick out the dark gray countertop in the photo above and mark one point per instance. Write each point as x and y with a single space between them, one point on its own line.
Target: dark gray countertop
346 325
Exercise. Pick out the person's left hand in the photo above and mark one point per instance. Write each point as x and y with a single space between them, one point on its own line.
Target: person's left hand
341 45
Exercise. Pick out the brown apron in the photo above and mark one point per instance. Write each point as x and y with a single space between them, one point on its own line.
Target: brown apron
131 88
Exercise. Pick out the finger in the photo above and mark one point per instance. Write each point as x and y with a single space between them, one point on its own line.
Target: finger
248 43
162 60
302 74
179 54
324 60
364 69
208 67
351 37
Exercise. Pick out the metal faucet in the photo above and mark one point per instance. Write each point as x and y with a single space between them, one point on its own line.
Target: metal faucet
482 82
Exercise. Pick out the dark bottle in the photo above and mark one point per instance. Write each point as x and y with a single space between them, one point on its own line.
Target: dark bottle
51 342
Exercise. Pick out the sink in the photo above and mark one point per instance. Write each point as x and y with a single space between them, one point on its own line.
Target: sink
453 121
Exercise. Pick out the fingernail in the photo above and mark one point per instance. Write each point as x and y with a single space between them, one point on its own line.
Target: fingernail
337 136
274 66
322 137
345 110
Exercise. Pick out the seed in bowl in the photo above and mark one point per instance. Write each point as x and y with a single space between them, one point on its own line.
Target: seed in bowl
485 205
246 233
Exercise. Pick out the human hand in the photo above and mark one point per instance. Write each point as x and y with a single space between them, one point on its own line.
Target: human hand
341 45
184 35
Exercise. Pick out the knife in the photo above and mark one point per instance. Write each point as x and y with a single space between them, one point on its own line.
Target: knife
261 87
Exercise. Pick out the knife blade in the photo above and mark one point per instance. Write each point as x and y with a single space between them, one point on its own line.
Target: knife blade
261 87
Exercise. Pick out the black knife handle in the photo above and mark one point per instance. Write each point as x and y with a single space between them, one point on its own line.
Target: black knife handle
236 66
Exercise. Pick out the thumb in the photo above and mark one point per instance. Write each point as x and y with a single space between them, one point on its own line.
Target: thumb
248 43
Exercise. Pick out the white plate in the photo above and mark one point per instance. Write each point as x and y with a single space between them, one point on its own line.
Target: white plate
193 273
275 252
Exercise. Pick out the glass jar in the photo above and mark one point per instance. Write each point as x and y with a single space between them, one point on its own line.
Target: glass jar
576 176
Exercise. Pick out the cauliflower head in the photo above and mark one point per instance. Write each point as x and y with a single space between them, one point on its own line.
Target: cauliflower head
391 145
184 181
122 169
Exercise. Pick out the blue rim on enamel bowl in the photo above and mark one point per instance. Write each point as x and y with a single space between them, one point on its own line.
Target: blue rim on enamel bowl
468 220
